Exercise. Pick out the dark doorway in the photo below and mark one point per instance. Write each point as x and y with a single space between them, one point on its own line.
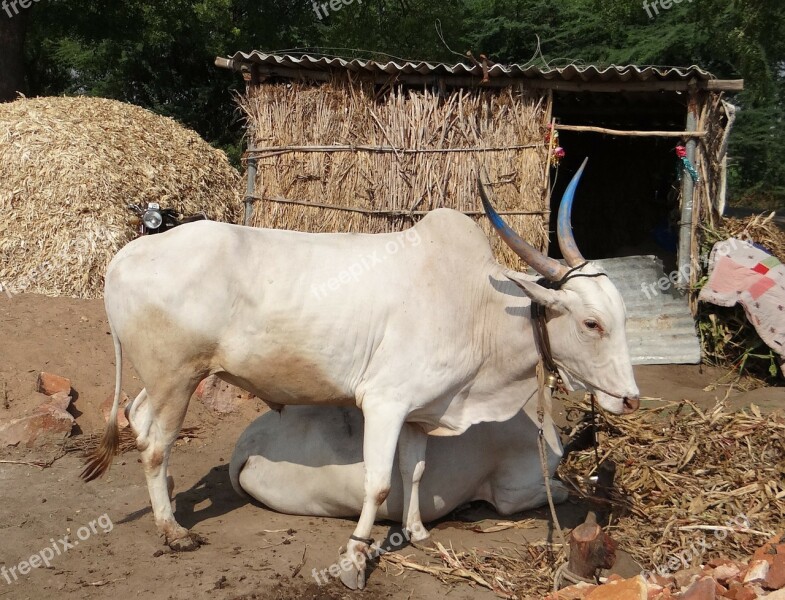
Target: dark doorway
628 200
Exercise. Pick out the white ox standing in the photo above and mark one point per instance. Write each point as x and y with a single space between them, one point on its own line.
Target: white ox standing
434 338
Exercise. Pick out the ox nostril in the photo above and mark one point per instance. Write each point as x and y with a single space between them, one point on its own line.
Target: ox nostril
631 404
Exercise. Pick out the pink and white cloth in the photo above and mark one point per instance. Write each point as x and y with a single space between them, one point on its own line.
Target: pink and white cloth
741 272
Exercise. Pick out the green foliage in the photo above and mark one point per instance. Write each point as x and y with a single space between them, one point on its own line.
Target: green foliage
732 39
158 54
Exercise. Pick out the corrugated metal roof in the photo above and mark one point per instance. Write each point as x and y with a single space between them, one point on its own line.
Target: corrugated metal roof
569 73
660 327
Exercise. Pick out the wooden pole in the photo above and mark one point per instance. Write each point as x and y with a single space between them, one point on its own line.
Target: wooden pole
388 212
276 150
591 549
632 133
684 255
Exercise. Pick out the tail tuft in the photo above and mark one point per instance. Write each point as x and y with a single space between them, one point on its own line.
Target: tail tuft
99 461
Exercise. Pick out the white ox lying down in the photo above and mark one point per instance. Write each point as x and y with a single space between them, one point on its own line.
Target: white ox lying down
308 460
422 330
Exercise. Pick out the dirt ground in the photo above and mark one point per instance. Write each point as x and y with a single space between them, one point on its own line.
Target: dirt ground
251 552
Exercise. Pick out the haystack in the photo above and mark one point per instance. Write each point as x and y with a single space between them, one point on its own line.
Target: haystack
68 169
345 155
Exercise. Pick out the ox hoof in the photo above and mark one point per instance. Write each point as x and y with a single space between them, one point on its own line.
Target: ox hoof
418 535
187 543
353 577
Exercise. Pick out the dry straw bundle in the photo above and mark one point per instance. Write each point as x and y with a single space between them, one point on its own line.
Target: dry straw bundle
693 483
69 167
383 159
760 228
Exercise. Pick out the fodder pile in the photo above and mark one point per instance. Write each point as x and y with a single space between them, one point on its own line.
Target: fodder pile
686 474
690 485
345 156
68 169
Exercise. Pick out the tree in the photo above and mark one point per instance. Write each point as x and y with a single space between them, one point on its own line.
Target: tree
159 54
13 27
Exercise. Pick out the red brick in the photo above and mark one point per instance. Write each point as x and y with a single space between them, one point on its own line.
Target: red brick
666 581
573 592
686 577
49 384
769 548
220 396
741 592
775 579
628 589
61 400
703 589
47 423
756 572
716 562
726 572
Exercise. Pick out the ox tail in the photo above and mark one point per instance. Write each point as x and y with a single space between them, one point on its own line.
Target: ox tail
100 459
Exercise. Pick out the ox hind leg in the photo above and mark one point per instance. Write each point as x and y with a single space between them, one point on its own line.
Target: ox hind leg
411 460
139 416
383 421
156 417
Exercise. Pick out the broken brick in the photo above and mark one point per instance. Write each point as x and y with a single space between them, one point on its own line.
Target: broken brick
50 384
627 589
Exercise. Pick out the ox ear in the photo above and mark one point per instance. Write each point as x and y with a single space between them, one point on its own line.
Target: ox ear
554 299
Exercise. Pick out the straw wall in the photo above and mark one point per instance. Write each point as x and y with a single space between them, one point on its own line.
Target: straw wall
710 152
420 152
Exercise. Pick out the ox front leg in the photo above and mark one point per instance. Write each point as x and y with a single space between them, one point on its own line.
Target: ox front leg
411 458
383 423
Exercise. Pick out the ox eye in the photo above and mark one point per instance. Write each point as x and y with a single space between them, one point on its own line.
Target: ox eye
592 324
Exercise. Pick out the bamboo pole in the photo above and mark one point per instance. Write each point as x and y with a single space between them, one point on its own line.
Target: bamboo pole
387 213
631 133
277 150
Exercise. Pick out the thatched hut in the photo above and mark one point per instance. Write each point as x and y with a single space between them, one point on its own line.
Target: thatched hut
355 145
68 169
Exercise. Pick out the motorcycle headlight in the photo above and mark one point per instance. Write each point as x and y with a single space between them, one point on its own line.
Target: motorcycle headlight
152 219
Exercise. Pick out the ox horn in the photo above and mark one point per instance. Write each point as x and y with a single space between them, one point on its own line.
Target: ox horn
569 248
547 267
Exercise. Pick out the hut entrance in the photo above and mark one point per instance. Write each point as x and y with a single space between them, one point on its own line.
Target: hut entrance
628 200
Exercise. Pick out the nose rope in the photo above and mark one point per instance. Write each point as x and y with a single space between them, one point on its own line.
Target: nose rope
546 385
